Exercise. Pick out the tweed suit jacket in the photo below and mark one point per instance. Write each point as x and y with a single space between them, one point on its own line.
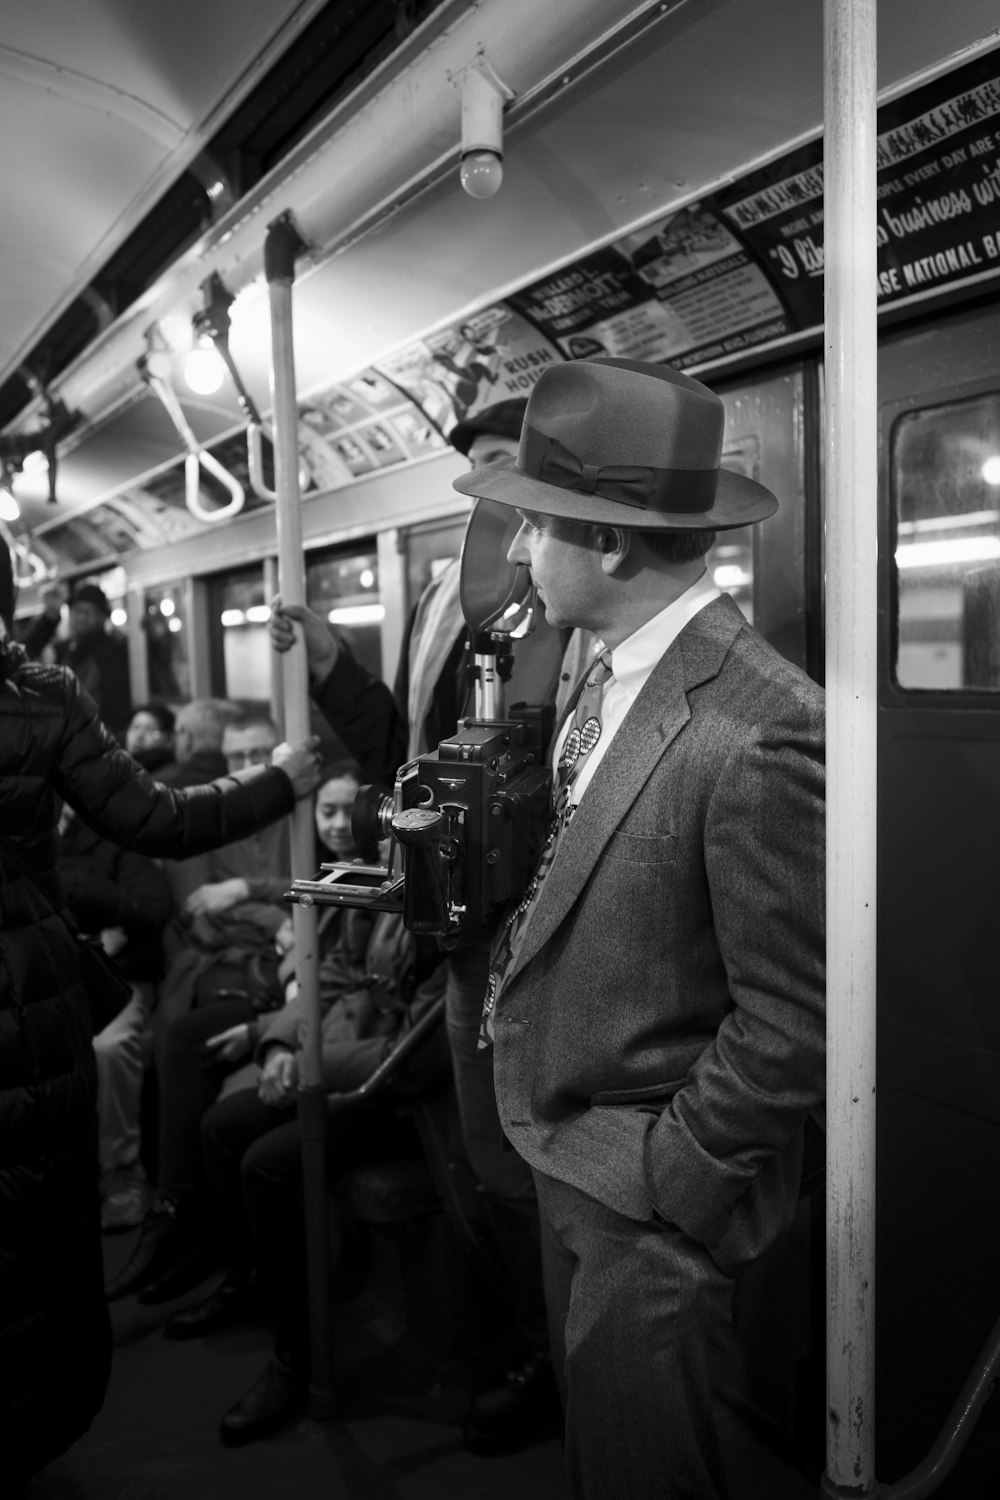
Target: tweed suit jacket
660 1037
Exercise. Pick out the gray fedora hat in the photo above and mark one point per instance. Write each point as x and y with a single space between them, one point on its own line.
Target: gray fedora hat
614 441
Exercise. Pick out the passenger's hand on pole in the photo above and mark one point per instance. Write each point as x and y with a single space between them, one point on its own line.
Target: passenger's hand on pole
300 764
279 1077
322 646
230 1046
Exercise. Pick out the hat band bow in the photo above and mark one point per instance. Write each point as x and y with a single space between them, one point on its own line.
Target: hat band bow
639 485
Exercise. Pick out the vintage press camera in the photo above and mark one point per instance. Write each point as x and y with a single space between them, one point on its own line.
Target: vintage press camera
465 821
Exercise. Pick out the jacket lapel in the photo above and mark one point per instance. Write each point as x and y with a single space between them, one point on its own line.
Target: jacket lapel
655 719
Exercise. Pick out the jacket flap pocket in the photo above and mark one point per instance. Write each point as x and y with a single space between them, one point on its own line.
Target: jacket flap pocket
649 1093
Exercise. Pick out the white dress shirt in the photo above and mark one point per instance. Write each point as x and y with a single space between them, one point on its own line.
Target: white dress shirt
632 664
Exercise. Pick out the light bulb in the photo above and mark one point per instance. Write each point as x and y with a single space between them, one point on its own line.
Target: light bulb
9 508
991 470
204 371
481 173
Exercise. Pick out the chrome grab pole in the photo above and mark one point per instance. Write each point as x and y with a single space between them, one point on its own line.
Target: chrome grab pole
851 618
281 247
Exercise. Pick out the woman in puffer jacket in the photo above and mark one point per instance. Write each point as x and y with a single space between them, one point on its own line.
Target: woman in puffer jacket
55 1343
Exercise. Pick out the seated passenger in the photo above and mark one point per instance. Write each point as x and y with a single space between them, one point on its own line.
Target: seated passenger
198 730
177 1245
125 898
228 900
377 984
149 738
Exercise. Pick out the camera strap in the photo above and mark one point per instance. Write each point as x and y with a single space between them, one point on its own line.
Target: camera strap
583 735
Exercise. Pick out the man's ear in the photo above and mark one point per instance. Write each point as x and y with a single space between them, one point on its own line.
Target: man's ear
613 545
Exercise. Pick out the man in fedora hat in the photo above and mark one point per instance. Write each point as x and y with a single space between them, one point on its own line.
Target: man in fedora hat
656 999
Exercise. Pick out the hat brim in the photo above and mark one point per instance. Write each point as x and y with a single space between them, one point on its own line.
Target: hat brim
738 501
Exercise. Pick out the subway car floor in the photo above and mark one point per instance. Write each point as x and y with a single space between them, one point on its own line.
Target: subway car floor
397 1434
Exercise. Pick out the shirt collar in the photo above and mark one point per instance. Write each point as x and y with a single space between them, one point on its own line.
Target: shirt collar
633 661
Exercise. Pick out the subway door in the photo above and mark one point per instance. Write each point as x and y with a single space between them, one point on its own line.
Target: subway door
764 567
776 1365
938 1290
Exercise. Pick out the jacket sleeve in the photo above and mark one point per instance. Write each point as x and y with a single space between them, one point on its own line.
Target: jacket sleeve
359 708
119 800
38 634
751 1087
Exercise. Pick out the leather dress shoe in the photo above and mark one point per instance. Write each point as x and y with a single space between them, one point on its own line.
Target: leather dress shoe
153 1251
271 1402
193 1262
223 1307
522 1410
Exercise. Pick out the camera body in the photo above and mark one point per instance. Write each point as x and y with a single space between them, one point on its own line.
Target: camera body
466 821
465 824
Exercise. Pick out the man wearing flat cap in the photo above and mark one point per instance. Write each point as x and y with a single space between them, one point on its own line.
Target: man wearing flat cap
97 656
656 999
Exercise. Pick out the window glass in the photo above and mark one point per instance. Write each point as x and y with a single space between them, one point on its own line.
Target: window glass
429 550
342 586
945 467
731 561
166 644
243 614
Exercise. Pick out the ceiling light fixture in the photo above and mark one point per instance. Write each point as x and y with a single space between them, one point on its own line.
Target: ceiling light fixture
483 98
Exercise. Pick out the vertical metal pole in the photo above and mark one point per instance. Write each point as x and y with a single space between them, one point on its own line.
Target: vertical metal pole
280 249
851 598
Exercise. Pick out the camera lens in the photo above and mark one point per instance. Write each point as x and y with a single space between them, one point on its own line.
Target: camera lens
371 816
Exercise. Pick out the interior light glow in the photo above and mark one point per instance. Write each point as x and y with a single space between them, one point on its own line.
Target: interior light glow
175 623
366 578
962 549
35 463
731 576
258 614
204 371
949 523
357 614
119 618
231 617
481 173
9 508
991 469
167 607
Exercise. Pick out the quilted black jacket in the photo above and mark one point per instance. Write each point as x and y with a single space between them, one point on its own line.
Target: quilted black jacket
54 1336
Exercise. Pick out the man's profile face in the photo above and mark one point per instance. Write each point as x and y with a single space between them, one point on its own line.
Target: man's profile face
565 567
248 745
489 447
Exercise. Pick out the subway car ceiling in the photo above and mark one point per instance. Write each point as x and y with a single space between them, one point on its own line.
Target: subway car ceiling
661 198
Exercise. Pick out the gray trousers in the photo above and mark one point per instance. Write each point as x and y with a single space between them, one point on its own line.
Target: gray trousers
638 1322
506 1181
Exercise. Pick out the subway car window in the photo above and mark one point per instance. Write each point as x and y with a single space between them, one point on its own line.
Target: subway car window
166 644
429 550
731 560
242 613
945 466
343 586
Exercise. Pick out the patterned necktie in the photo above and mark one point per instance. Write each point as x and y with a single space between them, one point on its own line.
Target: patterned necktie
583 735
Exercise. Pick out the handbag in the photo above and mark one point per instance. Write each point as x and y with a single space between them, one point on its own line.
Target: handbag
108 991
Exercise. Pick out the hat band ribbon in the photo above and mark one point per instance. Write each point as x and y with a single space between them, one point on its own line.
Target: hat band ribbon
681 490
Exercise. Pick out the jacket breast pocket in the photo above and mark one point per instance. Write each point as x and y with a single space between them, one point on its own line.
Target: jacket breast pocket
642 848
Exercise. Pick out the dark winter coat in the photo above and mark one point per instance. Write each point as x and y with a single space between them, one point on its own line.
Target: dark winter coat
54 1334
105 885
